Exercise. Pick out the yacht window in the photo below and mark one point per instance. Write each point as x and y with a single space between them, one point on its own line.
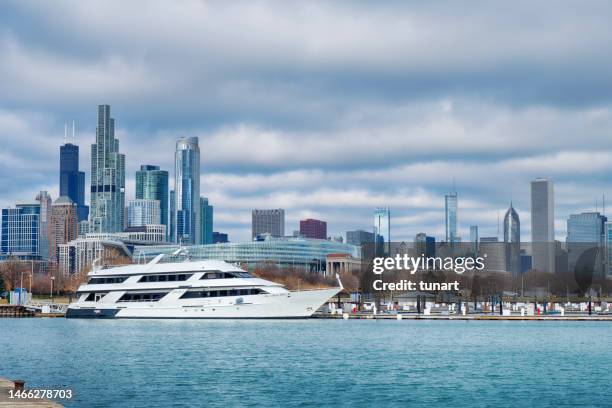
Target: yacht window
165 278
90 297
233 292
105 281
142 297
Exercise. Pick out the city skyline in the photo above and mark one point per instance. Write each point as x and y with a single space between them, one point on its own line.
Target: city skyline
405 126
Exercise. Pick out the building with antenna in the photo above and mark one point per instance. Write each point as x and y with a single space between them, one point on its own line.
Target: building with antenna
72 181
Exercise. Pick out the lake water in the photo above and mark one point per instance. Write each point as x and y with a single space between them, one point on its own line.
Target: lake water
139 363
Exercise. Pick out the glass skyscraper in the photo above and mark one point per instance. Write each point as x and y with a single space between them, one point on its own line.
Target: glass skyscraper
450 211
152 184
512 241
20 231
382 227
585 231
107 177
187 191
206 217
72 181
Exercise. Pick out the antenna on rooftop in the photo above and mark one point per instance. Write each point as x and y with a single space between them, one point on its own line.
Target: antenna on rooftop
65 133
73 133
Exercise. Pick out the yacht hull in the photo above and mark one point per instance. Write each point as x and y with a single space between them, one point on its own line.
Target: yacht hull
299 304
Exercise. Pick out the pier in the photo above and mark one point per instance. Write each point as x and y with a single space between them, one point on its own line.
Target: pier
6 401
479 317
15 311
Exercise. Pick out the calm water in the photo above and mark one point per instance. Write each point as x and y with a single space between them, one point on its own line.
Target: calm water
136 363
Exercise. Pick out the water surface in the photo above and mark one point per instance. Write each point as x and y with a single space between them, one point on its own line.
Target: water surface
137 363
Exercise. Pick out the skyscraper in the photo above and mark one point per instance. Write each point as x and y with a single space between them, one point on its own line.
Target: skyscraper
474 238
382 227
543 225
72 181
206 217
143 212
268 222
359 237
450 211
512 241
311 228
152 184
187 191
585 231
44 232
172 216
63 225
107 177
20 231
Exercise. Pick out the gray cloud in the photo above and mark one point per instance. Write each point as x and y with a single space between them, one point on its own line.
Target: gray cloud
325 108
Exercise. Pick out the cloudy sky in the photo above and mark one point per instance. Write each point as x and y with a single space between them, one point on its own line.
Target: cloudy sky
326 109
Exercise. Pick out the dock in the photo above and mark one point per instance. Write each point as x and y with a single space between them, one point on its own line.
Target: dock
15 311
476 317
5 401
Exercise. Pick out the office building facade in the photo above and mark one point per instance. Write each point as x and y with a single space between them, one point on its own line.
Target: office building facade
206 221
268 222
382 228
450 217
143 212
63 225
314 229
359 237
21 231
512 241
72 181
187 191
152 184
586 231
107 177
220 237
543 225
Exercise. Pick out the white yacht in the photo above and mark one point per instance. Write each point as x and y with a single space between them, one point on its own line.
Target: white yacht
206 289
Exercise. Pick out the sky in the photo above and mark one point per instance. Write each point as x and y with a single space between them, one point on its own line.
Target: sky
325 109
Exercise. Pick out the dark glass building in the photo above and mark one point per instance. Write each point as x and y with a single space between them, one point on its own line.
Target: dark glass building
152 184
72 181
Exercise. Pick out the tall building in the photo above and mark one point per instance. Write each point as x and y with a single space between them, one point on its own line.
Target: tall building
152 184
206 221
72 181
359 237
20 231
187 191
543 225
107 177
608 243
143 212
512 241
474 238
493 251
425 245
450 217
63 225
268 222
219 237
44 232
585 231
382 227
172 216
311 228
